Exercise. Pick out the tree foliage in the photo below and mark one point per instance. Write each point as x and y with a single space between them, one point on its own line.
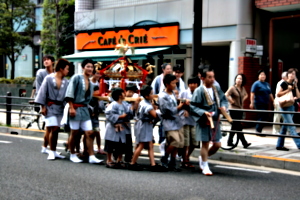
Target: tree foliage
58 25
16 28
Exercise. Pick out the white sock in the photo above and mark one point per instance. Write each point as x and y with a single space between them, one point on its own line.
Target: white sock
204 163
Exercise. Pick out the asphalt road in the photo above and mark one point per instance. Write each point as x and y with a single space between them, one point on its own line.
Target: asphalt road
25 173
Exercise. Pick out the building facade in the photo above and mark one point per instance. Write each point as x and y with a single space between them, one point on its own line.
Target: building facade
224 23
277 28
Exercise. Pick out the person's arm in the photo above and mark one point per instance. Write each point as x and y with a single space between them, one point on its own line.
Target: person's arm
252 100
72 110
153 113
246 95
297 92
271 97
283 92
228 95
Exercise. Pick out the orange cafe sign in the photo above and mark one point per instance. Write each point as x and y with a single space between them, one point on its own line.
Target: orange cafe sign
135 37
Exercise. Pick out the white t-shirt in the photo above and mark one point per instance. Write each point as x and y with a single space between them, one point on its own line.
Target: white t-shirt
210 92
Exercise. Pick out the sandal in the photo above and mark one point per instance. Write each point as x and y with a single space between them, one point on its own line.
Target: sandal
110 165
120 165
187 165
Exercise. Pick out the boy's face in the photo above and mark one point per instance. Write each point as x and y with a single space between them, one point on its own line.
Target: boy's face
172 85
178 74
65 71
129 93
150 96
48 62
88 69
122 96
97 75
193 86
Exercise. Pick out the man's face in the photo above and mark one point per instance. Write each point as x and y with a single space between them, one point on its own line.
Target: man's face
178 74
209 79
88 69
48 62
168 70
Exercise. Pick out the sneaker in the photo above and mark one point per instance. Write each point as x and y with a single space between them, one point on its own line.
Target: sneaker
57 155
282 149
247 145
135 167
45 150
179 158
75 159
200 163
162 148
94 160
206 171
51 155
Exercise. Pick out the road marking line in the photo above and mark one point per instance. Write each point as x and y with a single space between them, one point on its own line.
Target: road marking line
275 158
242 169
5 142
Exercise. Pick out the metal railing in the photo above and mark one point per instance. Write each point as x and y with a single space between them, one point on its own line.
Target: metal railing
9 111
263 122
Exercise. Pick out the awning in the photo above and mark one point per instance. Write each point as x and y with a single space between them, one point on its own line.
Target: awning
110 55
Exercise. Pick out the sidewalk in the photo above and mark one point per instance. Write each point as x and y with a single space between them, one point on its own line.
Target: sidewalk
262 151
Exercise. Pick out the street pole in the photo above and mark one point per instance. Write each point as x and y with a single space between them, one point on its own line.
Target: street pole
197 35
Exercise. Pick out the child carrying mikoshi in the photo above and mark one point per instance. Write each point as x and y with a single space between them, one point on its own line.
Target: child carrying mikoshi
118 116
143 129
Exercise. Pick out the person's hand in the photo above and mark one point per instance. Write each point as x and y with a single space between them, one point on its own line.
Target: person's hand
180 105
231 102
186 113
187 102
251 106
208 114
72 112
290 87
44 111
123 116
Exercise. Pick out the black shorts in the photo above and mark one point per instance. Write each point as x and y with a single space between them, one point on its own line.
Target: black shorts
116 148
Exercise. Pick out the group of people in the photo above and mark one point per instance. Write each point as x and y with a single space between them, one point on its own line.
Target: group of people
188 115
261 96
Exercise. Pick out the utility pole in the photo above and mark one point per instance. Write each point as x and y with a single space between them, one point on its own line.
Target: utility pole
197 35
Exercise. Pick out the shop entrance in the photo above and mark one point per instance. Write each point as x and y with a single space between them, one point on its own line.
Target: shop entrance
217 57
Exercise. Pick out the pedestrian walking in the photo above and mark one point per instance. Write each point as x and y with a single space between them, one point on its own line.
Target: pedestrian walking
287 86
277 116
205 106
79 94
260 98
236 95
51 97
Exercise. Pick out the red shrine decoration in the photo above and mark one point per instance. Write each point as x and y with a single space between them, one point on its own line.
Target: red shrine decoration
121 71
